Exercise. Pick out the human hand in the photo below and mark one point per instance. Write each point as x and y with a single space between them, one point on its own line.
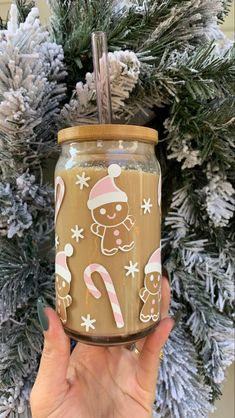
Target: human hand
98 382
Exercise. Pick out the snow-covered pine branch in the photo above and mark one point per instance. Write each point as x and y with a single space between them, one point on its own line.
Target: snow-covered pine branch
219 197
177 375
31 72
124 68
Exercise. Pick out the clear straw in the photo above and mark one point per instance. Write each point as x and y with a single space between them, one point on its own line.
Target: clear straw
101 71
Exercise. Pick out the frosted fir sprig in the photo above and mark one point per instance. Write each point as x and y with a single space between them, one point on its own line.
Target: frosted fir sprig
31 90
182 152
123 5
176 380
31 28
182 215
21 203
81 108
31 44
16 402
216 270
52 58
219 198
204 281
124 75
14 214
14 399
124 68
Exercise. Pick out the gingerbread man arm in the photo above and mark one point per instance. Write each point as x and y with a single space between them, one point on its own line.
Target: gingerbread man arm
129 222
98 229
144 293
68 300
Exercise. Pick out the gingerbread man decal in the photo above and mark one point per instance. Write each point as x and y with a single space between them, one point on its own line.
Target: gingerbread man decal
110 212
151 292
63 280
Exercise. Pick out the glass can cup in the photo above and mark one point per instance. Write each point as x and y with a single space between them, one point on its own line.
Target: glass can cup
107 227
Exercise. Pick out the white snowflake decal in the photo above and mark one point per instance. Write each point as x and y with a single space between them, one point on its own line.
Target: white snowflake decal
82 180
77 233
57 242
147 205
132 269
88 322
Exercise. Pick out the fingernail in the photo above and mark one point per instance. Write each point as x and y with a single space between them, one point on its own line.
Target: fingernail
177 317
166 276
165 273
41 305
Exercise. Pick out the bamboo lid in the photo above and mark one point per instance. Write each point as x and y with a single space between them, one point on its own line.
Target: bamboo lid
108 132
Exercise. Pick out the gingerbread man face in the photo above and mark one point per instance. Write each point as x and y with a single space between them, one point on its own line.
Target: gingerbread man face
111 214
62 286
152 282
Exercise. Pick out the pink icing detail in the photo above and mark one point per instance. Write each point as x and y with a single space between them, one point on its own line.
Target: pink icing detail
155 257
154 262
119 241
111 216
152 310
105 185
112 297
153 302
116 232
61 266
61 258
119 320
106 191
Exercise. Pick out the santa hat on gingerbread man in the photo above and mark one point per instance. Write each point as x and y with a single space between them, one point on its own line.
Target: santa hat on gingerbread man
105 190
154 263
61 266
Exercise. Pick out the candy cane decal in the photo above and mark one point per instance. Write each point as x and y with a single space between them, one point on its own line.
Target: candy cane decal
59 194
109 287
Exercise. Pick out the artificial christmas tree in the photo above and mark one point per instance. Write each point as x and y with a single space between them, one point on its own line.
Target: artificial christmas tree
172 68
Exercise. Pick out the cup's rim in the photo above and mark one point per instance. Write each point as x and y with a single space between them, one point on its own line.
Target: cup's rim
108 132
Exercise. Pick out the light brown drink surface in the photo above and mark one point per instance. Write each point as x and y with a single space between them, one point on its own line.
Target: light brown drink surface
129 232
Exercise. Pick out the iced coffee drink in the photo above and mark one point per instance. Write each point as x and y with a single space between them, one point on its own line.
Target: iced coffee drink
107 214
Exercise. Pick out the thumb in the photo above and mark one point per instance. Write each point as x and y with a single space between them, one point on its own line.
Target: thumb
56 352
